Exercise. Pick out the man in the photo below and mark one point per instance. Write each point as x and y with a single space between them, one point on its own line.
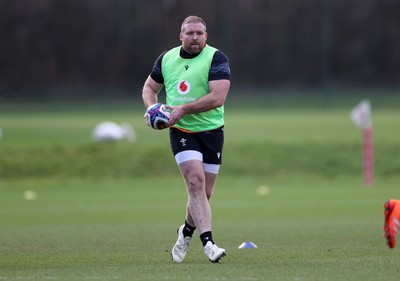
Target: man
196 77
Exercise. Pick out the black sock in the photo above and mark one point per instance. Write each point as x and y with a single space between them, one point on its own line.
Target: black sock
188 230
205 237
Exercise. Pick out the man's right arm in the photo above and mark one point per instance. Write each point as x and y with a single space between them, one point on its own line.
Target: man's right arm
153 84
150 91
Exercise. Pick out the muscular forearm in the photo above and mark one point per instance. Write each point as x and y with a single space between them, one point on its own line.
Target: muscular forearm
150 92
203 104
149 97
216 98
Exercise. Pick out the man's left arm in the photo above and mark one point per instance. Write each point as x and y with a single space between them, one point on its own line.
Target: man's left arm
216 98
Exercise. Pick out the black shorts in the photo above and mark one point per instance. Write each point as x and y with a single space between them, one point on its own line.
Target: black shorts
209 144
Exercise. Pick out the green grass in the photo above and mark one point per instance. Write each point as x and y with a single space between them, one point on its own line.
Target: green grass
306 228
110 211
277 142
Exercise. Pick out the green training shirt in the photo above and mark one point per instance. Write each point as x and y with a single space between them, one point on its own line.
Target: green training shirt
186 80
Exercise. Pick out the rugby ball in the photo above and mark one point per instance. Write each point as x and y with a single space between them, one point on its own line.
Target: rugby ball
157 116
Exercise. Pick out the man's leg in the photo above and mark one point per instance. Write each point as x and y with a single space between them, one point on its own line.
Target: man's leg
198 212
211 179
198 207
210 183
200 185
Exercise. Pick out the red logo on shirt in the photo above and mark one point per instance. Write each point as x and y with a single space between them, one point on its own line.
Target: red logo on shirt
183 87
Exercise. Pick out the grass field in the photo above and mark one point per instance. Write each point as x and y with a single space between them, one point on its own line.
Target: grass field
110 211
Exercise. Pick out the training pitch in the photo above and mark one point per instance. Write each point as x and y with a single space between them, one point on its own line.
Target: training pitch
312 218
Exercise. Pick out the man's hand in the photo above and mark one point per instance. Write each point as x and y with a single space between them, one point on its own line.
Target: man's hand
177 113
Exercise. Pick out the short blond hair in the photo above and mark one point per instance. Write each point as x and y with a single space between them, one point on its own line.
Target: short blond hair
190 19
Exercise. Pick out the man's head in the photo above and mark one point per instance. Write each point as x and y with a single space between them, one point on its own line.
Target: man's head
193 35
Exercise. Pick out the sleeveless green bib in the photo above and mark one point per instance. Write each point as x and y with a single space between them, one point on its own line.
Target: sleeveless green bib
186 80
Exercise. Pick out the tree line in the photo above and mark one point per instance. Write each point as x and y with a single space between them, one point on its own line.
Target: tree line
52 43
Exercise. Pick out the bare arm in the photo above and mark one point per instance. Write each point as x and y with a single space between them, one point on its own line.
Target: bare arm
150 91
216 98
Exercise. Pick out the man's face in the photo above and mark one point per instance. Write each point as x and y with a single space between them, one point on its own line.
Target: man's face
193 37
